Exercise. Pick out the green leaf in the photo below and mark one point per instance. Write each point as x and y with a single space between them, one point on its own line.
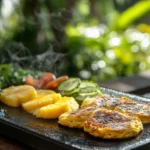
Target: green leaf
133 13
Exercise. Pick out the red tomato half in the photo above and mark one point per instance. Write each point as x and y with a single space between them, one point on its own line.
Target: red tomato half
54 84
46 78
32 81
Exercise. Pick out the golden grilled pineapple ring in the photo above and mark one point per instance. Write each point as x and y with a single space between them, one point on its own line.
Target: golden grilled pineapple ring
42 92
52 111
109 124
76 118
41 101
15 95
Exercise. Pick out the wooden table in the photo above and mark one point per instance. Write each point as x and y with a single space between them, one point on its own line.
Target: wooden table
137 84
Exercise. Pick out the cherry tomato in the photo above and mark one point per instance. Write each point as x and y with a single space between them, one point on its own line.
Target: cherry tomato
46 78
54 84
32 81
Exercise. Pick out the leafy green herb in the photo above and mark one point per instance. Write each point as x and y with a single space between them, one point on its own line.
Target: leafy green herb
10 75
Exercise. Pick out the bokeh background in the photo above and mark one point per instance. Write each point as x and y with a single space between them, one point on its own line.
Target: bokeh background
92 39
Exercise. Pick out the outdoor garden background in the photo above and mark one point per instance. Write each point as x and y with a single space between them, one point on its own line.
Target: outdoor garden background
92 39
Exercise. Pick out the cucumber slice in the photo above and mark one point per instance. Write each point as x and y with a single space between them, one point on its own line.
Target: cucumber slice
80 99
89 94
85 83
70 93
69 84
82 96
88 89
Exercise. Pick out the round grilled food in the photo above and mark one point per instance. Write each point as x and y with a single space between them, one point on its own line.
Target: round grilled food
110 124
142 110
106 101
77 118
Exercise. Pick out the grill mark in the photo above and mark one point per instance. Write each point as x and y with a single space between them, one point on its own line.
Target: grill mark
110 102
136 108
109 117
84 111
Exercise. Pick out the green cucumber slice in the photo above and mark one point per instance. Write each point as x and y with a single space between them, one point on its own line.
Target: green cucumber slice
80 99
82 96
88 89
85 83
89 94
69 84
70 93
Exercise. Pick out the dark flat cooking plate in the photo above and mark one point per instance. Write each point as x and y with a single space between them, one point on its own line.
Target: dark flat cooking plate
47 134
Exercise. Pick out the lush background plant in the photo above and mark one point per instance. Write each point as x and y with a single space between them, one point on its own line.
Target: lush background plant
90 39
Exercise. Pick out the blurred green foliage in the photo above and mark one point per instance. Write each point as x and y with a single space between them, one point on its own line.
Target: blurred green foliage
98 39
9 75
109 55
133 13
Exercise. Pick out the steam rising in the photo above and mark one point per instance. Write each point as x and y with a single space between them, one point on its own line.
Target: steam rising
48 61
18 55
49 26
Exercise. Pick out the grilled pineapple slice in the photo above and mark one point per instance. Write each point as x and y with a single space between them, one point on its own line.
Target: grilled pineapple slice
44 92
14 96
66 104
41 101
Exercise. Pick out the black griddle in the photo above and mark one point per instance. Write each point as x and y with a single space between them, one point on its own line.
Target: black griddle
48 134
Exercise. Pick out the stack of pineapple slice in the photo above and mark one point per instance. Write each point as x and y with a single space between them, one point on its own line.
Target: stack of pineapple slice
15 95
41 103
65 104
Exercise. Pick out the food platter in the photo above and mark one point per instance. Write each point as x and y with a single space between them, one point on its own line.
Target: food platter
48 134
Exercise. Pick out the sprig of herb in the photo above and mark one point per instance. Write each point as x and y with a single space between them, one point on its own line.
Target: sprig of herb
10 75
